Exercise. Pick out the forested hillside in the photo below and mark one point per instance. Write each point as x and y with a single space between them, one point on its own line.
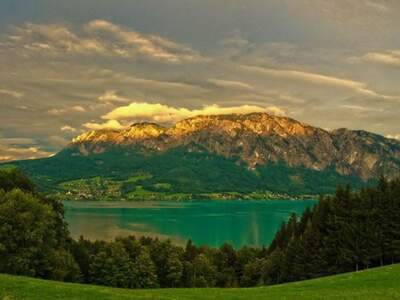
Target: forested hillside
346 232
176 174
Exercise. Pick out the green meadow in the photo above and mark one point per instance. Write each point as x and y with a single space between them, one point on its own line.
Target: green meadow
379 283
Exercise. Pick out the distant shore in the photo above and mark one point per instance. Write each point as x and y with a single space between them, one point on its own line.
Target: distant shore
254 196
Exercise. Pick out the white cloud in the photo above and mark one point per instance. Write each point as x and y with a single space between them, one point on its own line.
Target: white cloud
394 136
316 79
68 128
242 109
53 38
110 124
357 12
166 88
62 111
377 5
11 93
237 85
390 58
99 37
19 148
112 96
361 108
160 113
151 46
9 153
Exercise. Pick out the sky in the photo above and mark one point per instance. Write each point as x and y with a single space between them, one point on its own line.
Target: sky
67 67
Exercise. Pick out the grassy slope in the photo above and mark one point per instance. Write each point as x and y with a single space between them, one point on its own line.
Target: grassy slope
380 283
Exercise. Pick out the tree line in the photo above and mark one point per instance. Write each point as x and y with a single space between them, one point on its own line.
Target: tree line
349 231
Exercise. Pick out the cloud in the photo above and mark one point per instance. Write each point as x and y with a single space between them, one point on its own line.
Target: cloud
242 109
160 113
390 58
112 96
4 158
316 79
101 66
393 136
377 5
68 128
99 37
62 111
237 85
17 141
57 141
53 38
153 86
150 46
238 49
361 108
13 94
20 148
350 23
110 124
9 154
350 11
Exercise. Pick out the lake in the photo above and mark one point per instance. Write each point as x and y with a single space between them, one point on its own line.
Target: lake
211 223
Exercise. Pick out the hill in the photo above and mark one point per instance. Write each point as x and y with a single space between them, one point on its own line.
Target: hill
225 156
379 283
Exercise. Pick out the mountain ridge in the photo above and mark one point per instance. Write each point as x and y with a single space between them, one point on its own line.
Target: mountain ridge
256 139
241 156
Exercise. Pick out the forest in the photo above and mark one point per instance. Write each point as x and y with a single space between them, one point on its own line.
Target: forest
349 231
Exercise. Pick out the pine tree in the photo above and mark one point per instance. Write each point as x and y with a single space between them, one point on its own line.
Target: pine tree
253 274
226 262
273 267
146 270
174 270
204 272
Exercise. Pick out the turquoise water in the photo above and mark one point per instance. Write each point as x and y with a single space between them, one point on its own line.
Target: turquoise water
209 223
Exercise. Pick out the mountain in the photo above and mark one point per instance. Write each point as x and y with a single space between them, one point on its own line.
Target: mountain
251 155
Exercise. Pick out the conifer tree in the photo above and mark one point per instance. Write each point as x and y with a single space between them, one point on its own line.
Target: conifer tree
146 270
174 270
204 273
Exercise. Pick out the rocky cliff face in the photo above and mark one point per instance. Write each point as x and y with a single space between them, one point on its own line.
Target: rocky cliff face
257 139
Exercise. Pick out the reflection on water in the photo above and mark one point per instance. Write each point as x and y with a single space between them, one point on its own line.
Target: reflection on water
205 222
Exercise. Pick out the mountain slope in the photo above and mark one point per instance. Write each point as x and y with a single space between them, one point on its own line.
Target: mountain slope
259 138
226 156
379 283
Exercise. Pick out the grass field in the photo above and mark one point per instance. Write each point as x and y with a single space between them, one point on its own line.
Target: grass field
380 283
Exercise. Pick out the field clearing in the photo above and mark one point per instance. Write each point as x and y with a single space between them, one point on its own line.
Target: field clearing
380 283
